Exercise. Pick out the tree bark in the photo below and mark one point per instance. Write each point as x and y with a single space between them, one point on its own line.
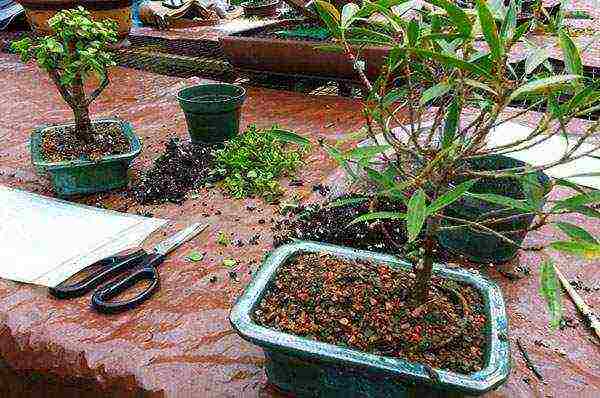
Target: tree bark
83 124
424 270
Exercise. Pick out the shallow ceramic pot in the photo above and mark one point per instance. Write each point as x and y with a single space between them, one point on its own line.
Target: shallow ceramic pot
80 177
38 12
308 368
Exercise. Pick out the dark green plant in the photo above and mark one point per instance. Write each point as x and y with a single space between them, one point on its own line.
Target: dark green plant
435 72
76 50
252 162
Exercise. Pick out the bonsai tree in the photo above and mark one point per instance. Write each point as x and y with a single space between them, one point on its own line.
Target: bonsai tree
437 71
76 51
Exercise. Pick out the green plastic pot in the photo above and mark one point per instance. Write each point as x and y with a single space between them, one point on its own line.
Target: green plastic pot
212 111
479 246
80 177
309 368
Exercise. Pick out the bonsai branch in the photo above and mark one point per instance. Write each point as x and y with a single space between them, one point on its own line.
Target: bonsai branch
94 94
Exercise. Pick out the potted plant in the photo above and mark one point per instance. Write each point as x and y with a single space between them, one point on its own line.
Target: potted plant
39 13
340 321
85 156
260 8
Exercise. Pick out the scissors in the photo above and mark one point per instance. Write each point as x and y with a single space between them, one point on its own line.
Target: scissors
141 264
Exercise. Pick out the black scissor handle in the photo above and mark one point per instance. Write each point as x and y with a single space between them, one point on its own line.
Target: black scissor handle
107 269
101 298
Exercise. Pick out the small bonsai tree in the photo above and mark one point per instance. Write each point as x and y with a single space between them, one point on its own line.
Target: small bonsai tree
452 69
76 50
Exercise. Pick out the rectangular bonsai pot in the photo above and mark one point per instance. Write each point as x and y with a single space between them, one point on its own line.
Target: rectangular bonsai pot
80 177
296 57
310 368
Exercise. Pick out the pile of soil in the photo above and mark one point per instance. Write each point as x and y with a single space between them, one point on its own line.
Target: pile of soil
273 32
367 307
181 168
324 223
60 144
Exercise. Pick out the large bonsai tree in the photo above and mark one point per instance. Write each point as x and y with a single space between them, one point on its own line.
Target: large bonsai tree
451 69
76 50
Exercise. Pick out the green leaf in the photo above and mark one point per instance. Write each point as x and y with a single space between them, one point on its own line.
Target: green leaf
367 152
416 213
434 92
585 250
413 32
229 262
589 198
448 60
510 22
451 122
289 136
550 291
476 84
490 32
571 54
348 12
394 95
456 14
450 197
520 31
576 233
543 84
504 201
330 16
345 202
194 256
381 215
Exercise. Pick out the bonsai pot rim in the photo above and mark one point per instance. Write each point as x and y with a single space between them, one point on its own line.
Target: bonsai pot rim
490 377
249 5
127 129
234 99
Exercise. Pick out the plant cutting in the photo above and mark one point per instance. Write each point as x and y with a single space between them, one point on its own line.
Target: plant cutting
370 325
85 156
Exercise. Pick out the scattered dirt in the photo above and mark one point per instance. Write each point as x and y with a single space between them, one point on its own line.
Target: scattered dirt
367 306
60 144
181 168
323 223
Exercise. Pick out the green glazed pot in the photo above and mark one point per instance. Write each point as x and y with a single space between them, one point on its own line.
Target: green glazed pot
308 368
80 177
212 111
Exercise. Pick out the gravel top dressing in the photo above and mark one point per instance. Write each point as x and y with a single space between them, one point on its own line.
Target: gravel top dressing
367 307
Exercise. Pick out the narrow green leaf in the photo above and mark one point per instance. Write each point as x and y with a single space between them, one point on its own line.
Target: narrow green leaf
550 291
434 92
367 152
289 136
571 54
543 84
585 250
510 23
451 123
453 61
330 16
450 197
394 95
576 233
477 84
416 213
490 32
536 57
588 198
504 201
381 215
456 14
520 31
413 32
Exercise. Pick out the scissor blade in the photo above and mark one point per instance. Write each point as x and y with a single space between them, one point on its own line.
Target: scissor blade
172 242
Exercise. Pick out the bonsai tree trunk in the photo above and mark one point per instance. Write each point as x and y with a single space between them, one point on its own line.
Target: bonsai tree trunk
83 124
424 270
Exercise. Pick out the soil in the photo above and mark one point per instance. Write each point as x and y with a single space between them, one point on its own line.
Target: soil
367 307
322 223
179 169
60 144
271 32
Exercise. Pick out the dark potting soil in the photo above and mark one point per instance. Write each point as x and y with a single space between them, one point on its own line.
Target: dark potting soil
181 168
304 30
60 144
367 307
324 223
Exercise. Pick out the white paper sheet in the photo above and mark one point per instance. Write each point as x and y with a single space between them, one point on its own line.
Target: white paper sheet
44 241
